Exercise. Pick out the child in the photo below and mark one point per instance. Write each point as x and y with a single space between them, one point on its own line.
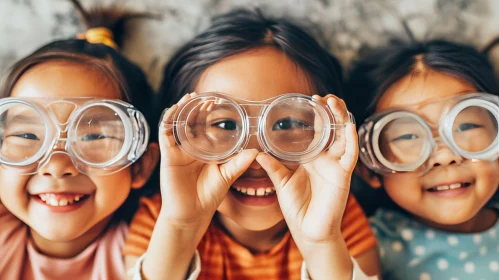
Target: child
70 149
430 142
247 215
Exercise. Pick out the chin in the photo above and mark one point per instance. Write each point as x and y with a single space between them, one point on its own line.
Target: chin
262 220
451 218
258 226
56 235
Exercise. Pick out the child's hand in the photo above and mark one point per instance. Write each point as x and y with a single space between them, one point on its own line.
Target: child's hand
313 198
192 190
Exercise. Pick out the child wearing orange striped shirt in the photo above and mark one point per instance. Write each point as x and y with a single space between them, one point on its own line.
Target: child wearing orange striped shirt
254 180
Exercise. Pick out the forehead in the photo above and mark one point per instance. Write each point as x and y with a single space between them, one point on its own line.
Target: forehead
65 79
257 74
422 87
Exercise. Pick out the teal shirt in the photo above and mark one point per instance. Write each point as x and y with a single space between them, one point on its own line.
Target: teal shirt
411 250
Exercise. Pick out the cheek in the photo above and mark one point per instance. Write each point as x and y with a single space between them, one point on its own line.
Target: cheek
403 189
13 192
487 176
112 190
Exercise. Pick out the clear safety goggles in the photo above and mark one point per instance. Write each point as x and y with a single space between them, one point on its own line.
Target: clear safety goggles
294 128
402 140
100 136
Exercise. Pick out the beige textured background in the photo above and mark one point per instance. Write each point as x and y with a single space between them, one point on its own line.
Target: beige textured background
348 26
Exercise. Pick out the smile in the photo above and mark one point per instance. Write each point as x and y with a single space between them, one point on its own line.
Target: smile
58 200
449 187
256 192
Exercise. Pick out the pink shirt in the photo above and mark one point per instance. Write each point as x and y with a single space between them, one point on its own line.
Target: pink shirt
19 259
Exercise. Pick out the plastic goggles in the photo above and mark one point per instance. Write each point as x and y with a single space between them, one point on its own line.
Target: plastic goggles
100 136
402 140
295 128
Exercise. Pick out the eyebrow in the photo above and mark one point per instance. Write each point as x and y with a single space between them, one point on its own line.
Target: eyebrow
24 119
404 121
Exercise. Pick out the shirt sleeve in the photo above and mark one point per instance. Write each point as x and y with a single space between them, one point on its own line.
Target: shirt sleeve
356 230
192 274
142 226
357 273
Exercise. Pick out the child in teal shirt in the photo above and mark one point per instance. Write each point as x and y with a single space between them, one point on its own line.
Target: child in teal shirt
429 115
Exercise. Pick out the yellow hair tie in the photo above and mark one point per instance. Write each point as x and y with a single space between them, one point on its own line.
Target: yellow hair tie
99 35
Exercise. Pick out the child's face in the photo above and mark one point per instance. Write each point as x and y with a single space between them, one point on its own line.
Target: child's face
410 191
59 179
254 75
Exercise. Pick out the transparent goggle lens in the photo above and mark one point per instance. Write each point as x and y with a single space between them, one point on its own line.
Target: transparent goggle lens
294 126
98 135
402 141
211 127
22 132
474 129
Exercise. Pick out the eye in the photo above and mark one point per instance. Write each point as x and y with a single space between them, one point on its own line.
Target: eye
28 136
226 125
94 136
467 126
288 123
405 137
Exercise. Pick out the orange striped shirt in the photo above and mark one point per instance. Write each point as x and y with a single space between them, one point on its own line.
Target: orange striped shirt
224 258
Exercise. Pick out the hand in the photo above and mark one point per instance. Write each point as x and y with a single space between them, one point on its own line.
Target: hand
193 190
313 197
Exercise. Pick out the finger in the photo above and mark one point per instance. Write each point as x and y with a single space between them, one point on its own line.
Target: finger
184 99
277 172
349 158
166 138
210 107
338 108
325 98
204 107
340 113
237 165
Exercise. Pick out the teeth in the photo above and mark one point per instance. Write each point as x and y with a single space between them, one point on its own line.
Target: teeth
51 199
256 192
442 188
448 187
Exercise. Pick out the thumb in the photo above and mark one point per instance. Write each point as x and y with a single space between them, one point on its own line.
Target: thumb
277 172
237 165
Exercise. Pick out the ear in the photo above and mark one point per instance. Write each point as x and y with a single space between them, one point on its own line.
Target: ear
369 176
144 167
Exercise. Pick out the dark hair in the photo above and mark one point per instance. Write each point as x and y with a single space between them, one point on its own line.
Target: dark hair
240 31
381 68
130 79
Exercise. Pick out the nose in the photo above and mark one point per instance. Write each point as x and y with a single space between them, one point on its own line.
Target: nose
444 156
58 166
253 143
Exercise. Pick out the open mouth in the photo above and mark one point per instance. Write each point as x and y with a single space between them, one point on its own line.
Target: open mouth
255 191
60 200
449 187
